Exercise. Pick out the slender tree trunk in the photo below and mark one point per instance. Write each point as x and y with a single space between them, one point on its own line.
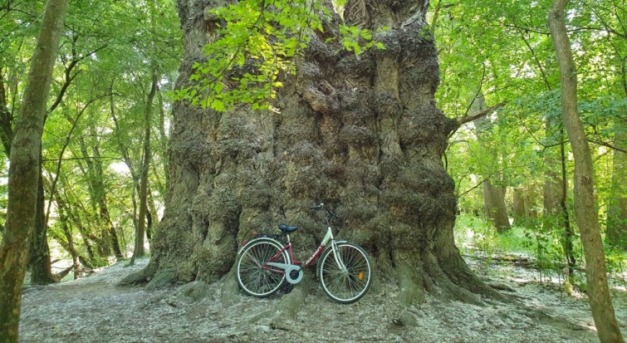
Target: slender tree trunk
40 264
495 208
555 212
569 234
67 240
40 252
69 245
137 246
6 118
145 167
524 205
152 217
552 188
519 206
69 209
164 136
585 208
108 242
112 232
493 196
24 171
617 204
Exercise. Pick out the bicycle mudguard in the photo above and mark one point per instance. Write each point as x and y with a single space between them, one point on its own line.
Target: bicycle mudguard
325 250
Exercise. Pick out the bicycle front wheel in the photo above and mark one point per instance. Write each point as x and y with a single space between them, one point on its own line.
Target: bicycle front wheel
254 276
347 274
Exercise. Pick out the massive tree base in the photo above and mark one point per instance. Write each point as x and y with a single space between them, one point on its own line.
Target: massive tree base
359 133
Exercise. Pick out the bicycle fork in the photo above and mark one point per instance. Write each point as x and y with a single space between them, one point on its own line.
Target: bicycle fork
338 259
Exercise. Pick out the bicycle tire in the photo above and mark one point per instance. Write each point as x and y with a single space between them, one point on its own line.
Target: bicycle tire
350 286
252 277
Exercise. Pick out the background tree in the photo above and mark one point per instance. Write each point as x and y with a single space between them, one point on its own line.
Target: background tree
77 142
610 15
24 170
493 189
617 204
585 207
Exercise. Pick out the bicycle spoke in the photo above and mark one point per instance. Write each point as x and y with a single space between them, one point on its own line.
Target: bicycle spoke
255 277
350 284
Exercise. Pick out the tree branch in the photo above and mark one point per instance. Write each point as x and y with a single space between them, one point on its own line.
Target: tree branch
69 77
475 116
608 145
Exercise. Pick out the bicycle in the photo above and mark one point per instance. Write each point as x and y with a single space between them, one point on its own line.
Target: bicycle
266 262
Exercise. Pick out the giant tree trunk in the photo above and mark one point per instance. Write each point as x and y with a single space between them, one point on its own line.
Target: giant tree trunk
360 133
585 208
24 171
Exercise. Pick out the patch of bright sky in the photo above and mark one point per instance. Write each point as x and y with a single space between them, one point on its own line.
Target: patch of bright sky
120 168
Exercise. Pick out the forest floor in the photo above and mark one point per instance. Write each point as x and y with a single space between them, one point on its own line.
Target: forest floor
94 309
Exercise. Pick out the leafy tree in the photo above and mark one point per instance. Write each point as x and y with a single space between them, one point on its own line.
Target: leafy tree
515 49
24 170
585 210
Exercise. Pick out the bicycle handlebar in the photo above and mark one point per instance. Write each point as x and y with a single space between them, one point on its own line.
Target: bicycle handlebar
330 215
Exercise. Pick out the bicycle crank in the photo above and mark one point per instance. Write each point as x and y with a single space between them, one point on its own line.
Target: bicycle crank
293 274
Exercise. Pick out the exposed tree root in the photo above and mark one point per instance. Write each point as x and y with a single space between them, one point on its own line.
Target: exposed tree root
292 302
141 276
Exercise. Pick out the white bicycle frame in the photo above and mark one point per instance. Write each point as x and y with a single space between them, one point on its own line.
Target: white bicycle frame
329 237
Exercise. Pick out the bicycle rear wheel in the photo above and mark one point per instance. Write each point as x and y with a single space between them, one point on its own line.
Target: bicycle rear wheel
349 285
254 276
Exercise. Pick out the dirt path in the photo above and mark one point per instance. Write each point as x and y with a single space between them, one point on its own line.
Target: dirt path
93 309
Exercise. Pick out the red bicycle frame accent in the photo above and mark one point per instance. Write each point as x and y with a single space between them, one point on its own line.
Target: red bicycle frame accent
290 251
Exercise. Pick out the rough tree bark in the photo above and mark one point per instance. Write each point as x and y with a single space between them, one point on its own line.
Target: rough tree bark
585 208
360 133
24 170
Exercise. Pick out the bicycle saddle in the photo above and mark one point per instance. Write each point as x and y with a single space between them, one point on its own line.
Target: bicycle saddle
287 228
